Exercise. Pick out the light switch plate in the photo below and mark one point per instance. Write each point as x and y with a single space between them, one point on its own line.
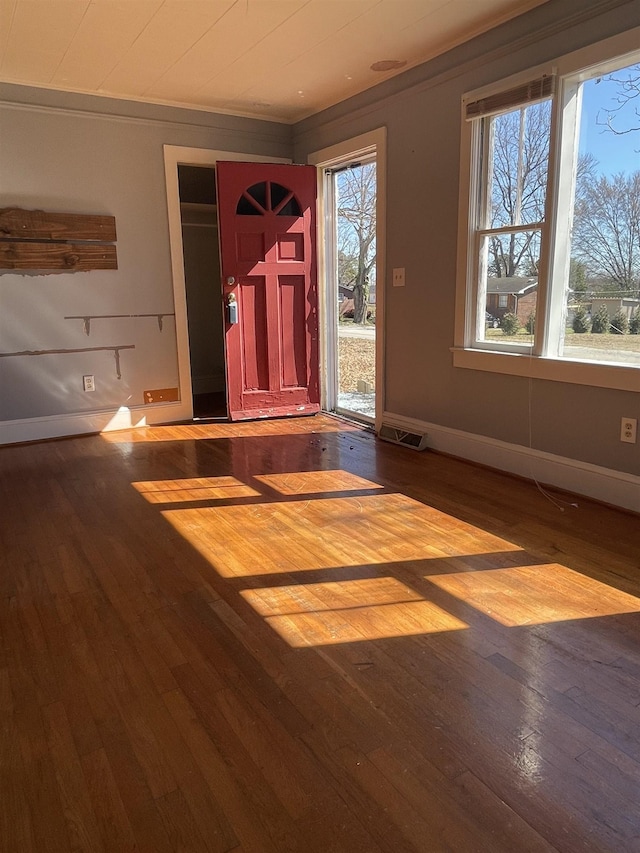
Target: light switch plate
398 277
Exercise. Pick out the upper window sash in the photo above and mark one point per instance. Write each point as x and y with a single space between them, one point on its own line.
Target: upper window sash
508 203
529 92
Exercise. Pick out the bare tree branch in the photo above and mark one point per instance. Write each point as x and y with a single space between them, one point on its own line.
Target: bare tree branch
628 82
357 230
607 229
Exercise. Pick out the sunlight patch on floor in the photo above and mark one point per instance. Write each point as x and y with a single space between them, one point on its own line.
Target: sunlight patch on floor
535 595
329 595
239 429
303 531
348 611
315 482
193 489
322 533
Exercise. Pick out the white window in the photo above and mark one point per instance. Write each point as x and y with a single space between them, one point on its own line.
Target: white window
550 213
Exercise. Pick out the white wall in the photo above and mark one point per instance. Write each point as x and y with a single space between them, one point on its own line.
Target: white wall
71 155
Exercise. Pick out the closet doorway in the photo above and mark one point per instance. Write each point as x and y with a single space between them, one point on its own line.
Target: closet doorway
199 223
202 322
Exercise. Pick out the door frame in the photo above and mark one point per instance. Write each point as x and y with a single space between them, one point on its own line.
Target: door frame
174 156
373 142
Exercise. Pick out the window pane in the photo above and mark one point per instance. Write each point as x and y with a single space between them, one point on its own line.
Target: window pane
257 192
519 160
603 291
278 194
509 300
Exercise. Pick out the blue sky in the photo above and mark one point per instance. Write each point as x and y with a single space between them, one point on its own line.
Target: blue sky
615 153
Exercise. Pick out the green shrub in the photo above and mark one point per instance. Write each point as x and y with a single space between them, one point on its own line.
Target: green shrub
530 325
620 323
510 324
600 322
581 323
634 323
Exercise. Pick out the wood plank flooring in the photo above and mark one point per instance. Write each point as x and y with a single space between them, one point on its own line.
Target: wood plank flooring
287 636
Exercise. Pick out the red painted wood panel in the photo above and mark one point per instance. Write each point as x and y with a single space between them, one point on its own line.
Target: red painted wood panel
292 341
254 334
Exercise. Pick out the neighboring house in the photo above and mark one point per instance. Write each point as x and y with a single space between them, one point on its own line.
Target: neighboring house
512 295
344 292
345 300
614 304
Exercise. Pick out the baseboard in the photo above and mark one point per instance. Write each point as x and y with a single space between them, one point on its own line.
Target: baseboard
603 484
59 426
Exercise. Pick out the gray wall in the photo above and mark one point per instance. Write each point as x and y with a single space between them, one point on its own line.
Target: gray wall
77 154
421 112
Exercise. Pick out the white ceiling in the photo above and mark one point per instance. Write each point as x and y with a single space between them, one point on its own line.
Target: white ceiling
282 59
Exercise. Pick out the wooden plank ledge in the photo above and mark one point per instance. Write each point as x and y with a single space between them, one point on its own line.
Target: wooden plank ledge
18 223
57 256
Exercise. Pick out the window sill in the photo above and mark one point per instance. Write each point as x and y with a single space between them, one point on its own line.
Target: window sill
596 374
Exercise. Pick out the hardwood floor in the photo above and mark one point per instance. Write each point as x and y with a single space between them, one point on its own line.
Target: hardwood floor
287 636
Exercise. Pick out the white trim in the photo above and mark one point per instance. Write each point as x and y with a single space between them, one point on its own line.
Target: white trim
151 102
252 136
597 374
372 142
175 155
86 423
325 260
603 484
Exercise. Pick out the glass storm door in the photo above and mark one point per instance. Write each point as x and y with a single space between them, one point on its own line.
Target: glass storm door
352 191
267 247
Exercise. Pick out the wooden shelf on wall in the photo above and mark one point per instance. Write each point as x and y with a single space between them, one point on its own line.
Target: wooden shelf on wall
42 241
57 256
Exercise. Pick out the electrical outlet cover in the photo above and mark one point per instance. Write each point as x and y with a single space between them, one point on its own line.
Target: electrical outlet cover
629 430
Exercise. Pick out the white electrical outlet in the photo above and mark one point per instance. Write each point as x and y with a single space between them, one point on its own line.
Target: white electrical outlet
629 430
89 383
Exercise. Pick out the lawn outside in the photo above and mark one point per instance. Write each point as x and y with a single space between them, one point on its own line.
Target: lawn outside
607 347
630 343
357 360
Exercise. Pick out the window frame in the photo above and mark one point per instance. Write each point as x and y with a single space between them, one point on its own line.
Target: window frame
542 360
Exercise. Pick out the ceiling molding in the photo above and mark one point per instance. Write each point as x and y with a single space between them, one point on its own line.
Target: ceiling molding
280 60
447 67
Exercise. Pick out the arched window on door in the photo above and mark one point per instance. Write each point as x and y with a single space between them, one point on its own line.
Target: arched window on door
268 197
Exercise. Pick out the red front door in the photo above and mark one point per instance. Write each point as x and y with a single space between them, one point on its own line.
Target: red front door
266 216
